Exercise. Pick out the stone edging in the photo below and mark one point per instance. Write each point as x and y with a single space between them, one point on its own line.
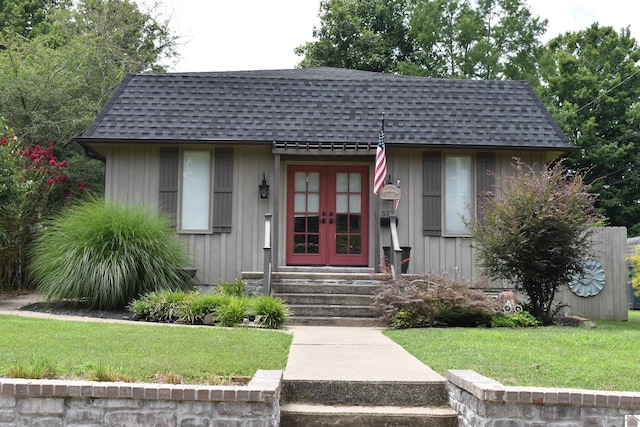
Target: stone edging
263 387
491 391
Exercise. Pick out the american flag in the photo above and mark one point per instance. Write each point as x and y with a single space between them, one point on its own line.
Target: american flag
381 163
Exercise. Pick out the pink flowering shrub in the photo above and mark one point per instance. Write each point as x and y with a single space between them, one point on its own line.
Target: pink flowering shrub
28 176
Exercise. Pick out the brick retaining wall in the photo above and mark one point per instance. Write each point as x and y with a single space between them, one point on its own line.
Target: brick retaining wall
92 404
483 402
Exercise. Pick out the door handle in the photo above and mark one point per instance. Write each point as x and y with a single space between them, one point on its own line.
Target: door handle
331 219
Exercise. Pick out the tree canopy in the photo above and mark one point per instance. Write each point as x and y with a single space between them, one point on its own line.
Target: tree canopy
370 35
591 84
437 38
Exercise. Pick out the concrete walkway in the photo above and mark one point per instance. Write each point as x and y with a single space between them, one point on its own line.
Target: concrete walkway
351 354
317 353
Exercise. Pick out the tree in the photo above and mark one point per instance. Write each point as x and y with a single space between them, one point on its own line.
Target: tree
536 233
25 17
370 35
28 178
487 39
437 38
54 83
591 84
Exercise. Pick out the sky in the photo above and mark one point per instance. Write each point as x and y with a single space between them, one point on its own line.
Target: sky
233 35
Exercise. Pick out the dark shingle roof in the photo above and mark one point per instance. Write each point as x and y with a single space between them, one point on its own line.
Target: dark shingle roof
325 105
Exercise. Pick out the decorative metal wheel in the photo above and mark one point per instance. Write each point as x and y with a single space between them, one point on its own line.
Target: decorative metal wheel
591 282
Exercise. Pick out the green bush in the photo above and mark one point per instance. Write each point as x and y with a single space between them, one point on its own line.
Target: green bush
192 307
521 319
196 308
272 312
232 313
107 254
463 316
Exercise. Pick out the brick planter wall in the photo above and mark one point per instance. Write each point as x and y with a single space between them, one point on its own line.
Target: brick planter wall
92 404
483 402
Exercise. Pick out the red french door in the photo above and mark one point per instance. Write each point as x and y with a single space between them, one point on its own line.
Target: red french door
327 215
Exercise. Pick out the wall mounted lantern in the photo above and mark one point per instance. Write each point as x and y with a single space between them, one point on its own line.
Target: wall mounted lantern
264 187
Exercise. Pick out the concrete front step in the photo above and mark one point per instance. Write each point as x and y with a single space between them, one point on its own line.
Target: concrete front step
365 393
356 322
296 287
329 296
296 414
322 310
326 299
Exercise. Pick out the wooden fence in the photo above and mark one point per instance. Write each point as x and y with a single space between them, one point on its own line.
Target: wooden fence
609 248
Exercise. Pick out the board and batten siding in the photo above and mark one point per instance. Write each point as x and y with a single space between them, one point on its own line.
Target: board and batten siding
133 175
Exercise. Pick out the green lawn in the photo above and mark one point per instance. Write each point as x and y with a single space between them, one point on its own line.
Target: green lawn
139 351
604 358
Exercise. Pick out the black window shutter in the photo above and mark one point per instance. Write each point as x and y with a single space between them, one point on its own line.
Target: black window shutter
169 167
432 193
485 168
222 190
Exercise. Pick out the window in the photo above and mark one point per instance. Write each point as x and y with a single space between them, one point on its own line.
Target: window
202 188
196 191
458 200
451 177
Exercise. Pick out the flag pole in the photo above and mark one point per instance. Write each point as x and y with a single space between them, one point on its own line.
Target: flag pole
379 262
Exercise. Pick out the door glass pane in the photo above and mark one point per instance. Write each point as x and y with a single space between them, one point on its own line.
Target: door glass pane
312 246
354 182
313 203
300 204
342 182
342 223
300 181
354 245
342 244
314 182
355 223
196 179
354 203
299 246
299 224
314 224
342 203
458 190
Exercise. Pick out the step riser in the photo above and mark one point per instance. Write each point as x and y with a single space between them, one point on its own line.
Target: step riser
321 299
365 393
332 311
364 420
336 321
322 288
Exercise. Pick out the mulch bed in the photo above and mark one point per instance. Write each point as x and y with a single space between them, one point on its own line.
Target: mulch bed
74 309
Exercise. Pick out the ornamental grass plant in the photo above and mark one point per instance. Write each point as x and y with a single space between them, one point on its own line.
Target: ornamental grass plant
104 254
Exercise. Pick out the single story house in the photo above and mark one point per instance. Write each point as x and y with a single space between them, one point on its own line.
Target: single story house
198 145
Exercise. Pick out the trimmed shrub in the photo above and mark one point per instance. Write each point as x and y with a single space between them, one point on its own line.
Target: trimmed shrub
521 319
106 254
271 312
432 301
